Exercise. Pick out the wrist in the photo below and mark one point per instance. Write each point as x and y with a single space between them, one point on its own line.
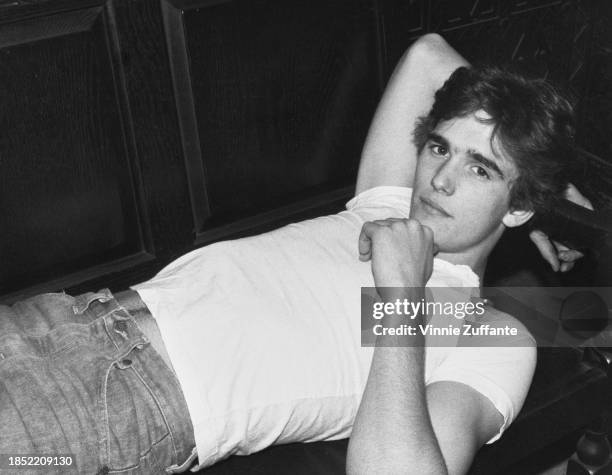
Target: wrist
408 292
401 324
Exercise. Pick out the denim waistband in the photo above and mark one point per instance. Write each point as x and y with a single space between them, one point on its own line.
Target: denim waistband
48 343
38 325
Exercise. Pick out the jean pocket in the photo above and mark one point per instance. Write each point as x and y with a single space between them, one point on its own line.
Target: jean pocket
135 423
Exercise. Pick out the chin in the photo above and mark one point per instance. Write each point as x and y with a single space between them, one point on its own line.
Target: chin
424 219
439 232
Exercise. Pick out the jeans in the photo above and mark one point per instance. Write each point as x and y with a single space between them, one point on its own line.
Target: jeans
79 378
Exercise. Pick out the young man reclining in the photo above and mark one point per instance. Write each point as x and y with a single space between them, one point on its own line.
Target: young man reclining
493 150
248 343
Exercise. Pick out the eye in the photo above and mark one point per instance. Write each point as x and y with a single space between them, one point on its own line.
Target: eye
481 172
439 150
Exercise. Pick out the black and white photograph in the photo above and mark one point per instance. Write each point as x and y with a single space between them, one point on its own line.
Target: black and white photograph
306 237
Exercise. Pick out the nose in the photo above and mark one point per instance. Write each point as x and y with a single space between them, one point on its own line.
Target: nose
443 180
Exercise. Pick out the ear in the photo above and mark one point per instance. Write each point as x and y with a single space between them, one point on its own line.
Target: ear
514 218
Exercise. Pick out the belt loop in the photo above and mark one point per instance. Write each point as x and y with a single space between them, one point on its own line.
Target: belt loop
83 301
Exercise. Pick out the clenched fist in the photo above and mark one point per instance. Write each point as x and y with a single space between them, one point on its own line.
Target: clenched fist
401 251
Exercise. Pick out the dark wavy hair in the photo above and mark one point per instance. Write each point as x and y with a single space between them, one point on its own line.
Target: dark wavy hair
533 123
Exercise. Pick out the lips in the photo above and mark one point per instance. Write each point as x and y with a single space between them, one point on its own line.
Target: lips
437 209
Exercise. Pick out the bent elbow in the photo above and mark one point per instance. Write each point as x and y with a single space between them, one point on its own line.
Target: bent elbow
427 46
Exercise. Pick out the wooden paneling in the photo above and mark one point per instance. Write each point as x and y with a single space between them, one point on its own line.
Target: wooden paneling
137 130
276 105
66 187
139 27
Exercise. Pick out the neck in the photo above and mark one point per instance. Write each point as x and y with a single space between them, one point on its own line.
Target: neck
475 257
477 265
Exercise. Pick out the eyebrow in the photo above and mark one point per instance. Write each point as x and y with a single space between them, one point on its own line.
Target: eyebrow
487 162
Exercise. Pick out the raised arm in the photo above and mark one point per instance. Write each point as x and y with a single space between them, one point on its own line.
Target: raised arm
389 156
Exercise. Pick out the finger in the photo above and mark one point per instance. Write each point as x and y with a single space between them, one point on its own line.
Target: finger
391 222
570 255
429 234
566 254
365 240
386 222
566 266
427 231
546 248
571 193
560 247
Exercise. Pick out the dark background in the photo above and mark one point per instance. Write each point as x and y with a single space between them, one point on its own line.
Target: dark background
136 130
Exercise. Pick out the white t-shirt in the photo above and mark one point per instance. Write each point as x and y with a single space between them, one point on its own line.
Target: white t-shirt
264 333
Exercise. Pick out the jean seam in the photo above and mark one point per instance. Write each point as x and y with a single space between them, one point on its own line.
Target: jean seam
150 451
105 438
161 410
105 442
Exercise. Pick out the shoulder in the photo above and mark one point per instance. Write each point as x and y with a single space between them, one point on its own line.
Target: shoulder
499 339
499 365
516 332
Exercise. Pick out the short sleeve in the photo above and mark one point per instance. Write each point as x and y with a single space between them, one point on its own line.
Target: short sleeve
382 202
501 374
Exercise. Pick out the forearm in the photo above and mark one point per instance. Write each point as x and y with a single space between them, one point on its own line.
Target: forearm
393 431
389 155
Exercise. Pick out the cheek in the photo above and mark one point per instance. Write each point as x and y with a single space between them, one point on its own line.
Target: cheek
425 169
481 211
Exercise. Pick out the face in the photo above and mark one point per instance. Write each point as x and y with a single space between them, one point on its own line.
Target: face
462 187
